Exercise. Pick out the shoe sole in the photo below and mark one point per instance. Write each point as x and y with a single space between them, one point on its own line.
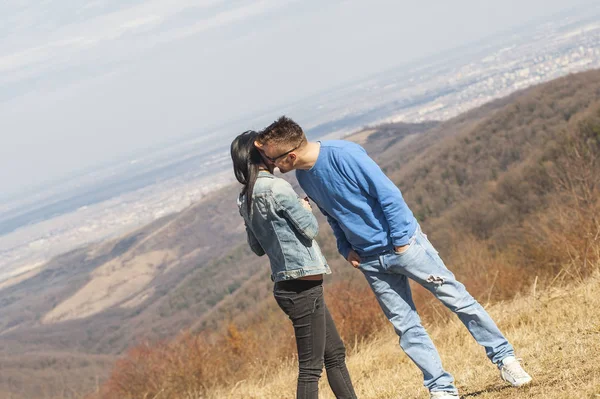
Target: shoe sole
518 385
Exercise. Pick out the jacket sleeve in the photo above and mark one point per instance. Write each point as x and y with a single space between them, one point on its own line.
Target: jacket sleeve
288 203
253 242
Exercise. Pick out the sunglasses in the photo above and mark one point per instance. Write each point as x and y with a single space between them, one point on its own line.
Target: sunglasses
274 159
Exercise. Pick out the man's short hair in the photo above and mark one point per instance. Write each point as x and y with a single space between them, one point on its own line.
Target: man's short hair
282 132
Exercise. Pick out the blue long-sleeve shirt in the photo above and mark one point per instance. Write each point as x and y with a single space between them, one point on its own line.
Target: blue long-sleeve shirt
363 206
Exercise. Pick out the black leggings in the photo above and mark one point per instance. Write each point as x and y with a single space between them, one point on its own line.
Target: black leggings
317 339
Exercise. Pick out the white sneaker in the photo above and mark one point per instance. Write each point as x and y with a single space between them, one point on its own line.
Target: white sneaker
443 395
512 372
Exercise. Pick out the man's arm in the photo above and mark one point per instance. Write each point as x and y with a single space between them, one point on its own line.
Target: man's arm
288 203
370 178
343 245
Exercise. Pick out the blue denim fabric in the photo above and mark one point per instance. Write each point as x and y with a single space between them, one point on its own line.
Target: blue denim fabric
281 227
388 276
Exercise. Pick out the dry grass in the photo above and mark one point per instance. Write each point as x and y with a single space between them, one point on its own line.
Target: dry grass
557 240
361 137
118 280
556 332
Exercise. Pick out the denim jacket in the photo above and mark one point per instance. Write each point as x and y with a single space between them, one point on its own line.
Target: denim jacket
281 227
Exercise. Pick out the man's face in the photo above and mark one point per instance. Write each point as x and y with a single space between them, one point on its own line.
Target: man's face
277 155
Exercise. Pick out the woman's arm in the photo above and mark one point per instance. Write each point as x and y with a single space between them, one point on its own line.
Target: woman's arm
288 203
253 242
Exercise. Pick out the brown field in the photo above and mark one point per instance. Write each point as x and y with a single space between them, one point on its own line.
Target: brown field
555 331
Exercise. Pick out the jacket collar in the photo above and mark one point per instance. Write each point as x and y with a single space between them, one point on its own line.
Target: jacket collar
264 173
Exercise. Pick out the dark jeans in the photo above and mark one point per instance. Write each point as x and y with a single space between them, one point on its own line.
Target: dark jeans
317 339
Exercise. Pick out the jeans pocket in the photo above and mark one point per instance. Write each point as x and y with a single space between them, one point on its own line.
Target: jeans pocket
396 261
410 245
308 302
286 303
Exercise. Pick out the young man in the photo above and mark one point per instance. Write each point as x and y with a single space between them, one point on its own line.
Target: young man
377 233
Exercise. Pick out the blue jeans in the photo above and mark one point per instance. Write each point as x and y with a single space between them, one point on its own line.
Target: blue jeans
388 275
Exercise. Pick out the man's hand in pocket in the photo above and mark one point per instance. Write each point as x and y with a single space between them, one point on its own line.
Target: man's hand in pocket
353 258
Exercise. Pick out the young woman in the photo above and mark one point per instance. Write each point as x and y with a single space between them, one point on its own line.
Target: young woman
282 226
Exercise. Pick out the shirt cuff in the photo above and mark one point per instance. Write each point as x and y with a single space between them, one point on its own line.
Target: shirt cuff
345 251
401 242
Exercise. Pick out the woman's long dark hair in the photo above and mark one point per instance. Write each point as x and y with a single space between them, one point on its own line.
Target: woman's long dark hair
246 161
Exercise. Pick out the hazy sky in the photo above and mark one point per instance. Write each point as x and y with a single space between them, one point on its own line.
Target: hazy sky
83 82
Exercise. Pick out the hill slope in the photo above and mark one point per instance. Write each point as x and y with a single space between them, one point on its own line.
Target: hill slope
481 179
526 211
480 184
555 331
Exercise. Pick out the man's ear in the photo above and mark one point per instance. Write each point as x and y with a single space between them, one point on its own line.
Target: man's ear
257 144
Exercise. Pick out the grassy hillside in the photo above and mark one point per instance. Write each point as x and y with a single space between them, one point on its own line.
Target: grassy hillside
507 192
484 183
98 300
555 330
520 209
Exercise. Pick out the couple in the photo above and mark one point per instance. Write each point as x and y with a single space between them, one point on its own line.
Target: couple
376 232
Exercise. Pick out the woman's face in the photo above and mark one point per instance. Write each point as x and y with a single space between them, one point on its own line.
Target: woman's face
270 166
